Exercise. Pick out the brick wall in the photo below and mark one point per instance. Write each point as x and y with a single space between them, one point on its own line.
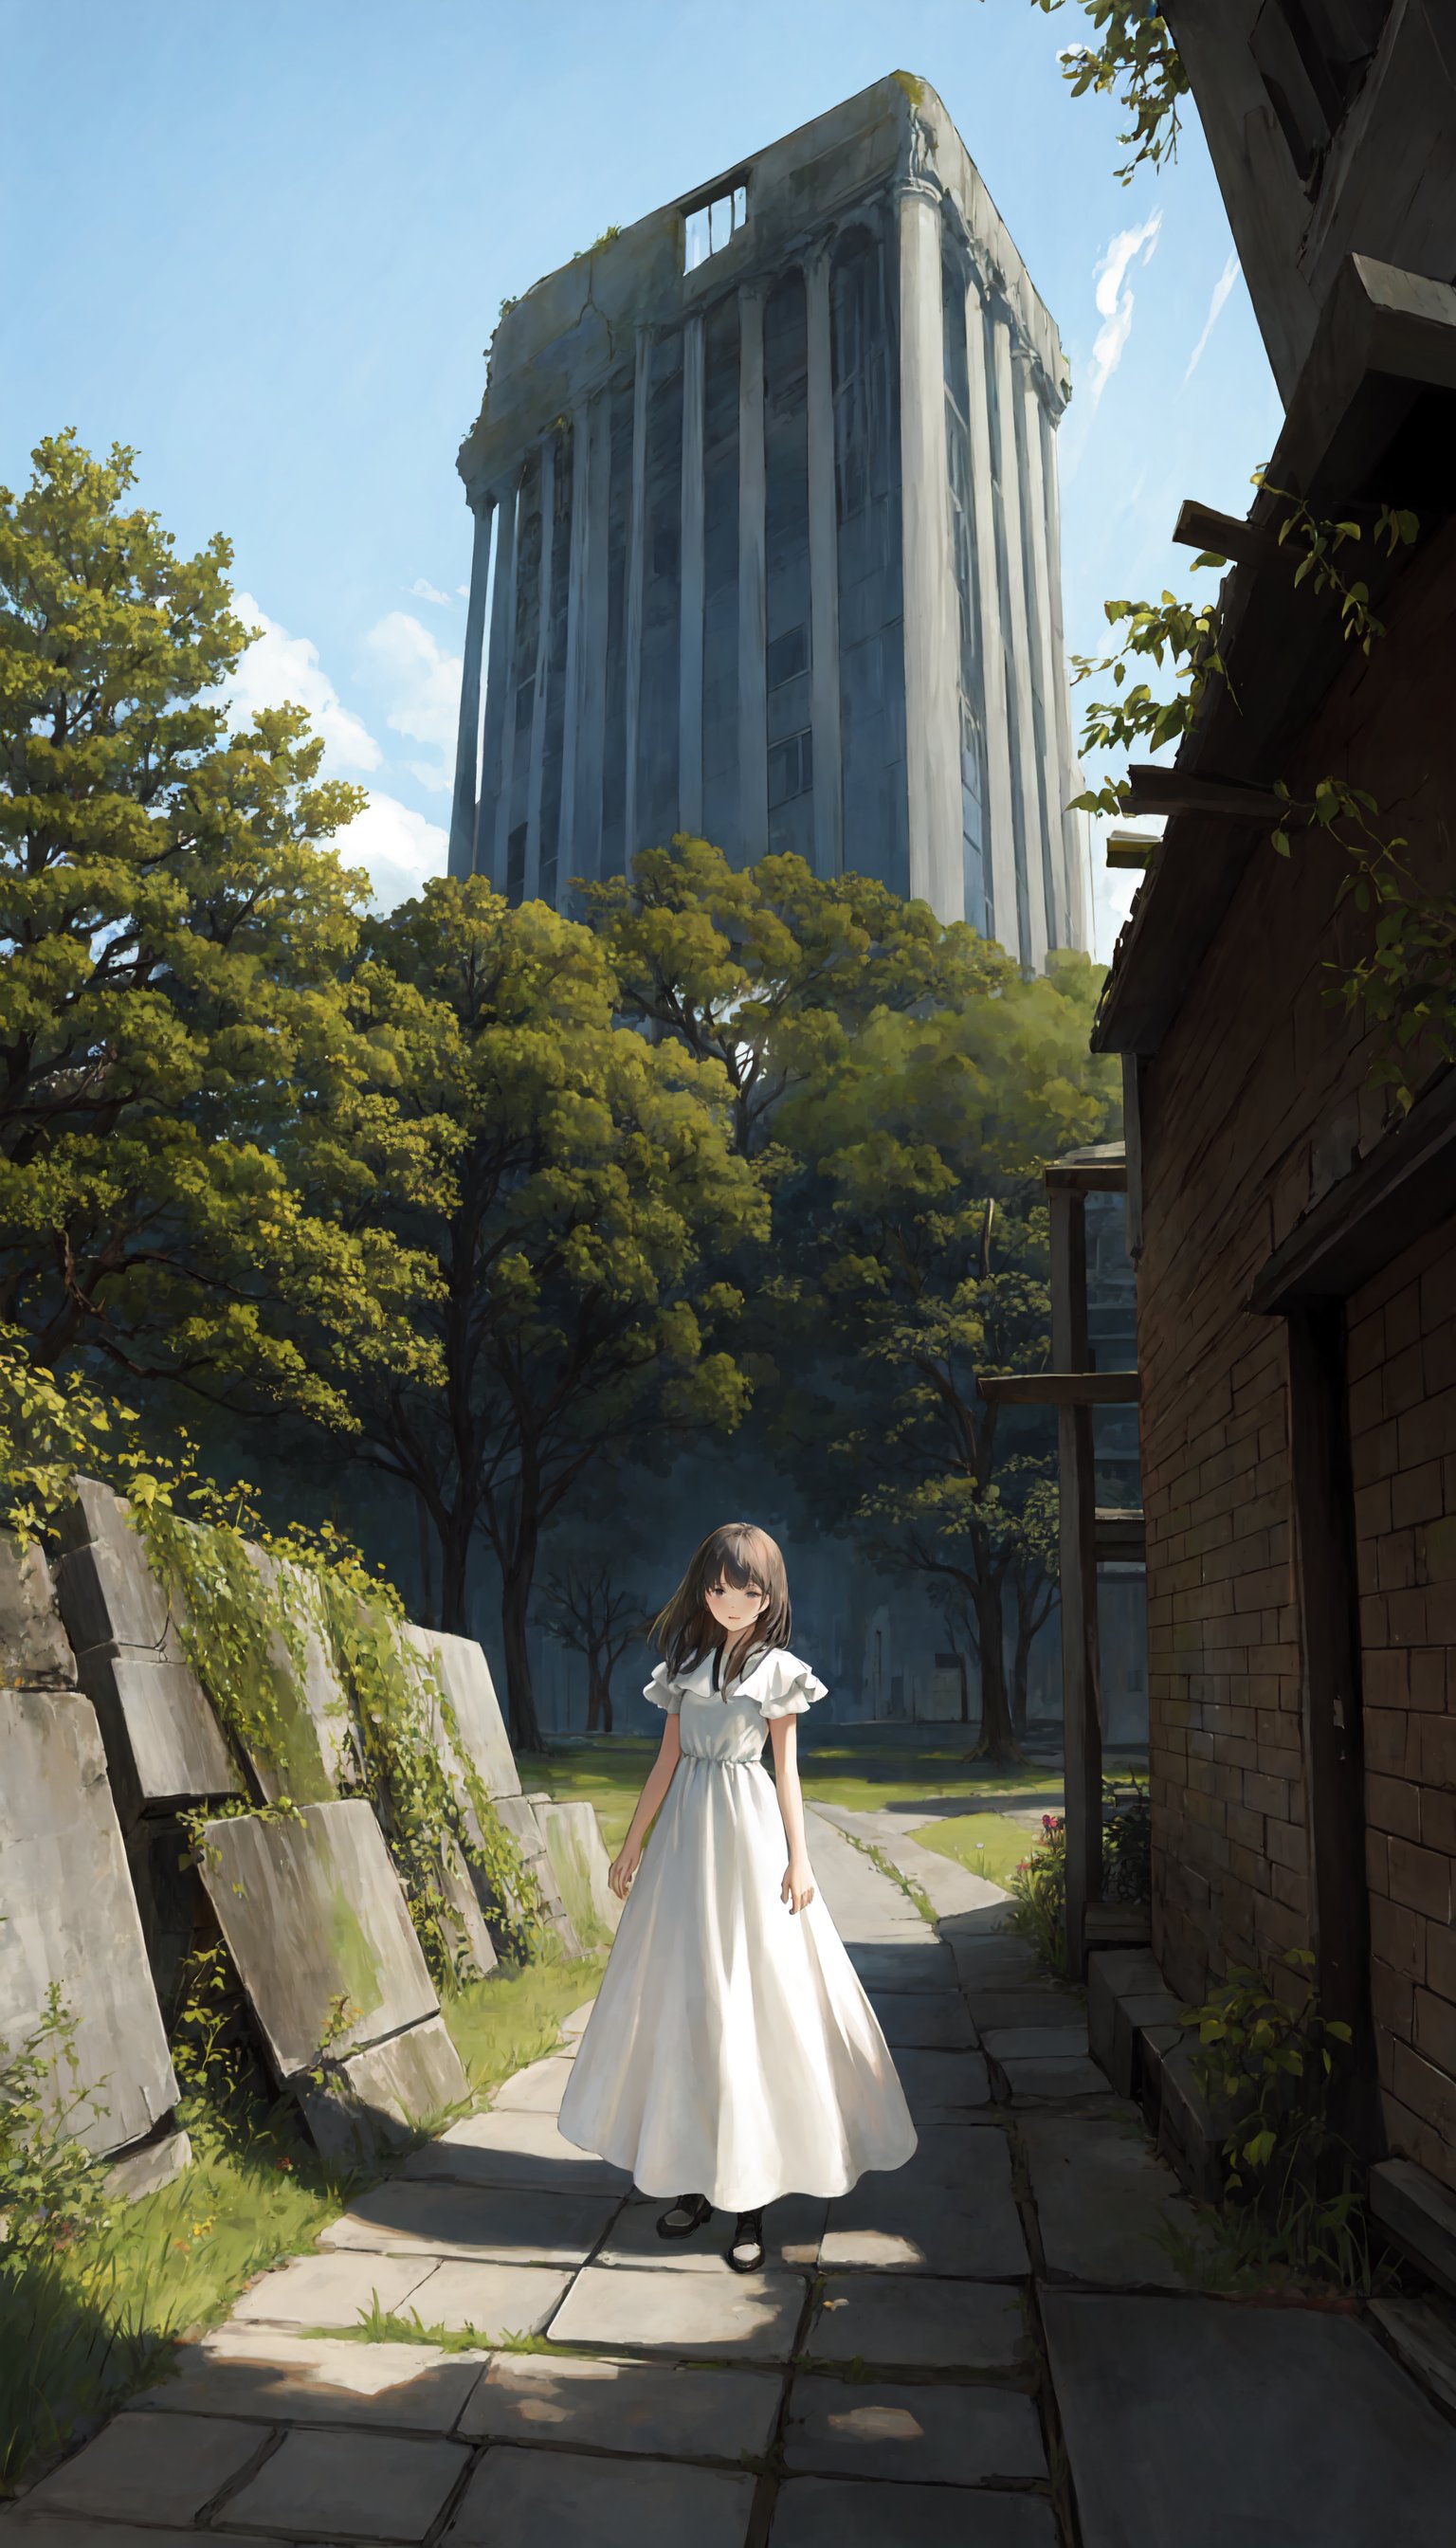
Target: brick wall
1259 1099
1403 1427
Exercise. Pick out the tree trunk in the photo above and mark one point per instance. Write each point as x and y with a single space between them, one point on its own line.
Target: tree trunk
1020 1662
427 1562
599 1703
997 1740
520 1697
455 1544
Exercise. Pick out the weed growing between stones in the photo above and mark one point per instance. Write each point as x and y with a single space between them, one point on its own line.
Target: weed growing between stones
885 1864
376 2325
1039 1897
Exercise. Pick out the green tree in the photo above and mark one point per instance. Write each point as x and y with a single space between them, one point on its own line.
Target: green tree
920 1250
187 1114
770 970
590 1184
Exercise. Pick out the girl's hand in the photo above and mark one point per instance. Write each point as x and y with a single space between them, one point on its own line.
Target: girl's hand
797 1888
622 1869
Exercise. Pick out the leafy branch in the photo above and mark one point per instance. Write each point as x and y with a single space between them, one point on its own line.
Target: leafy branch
1133 48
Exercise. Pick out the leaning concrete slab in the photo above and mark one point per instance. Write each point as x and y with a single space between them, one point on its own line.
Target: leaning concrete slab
1204 2422
35 1649
316 1923
382 2098
149 2165
146 2467
932 2433
519 1817
557 2499
351 2487
832 2512
71 1918
579 1863
107 1590
311 1678
164 1747
666 2411
465 1678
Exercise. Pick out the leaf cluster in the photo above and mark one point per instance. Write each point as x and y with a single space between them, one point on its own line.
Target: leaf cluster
1135 54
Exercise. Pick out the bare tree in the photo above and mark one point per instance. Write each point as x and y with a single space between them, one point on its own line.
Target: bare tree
584 1609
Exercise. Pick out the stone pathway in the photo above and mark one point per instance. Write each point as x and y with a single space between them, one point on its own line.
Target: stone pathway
991 2347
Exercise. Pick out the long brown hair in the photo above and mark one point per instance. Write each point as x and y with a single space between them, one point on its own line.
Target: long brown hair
735 1553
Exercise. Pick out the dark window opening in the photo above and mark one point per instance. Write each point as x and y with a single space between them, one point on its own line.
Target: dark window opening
515 863
787 656
709 226
791 768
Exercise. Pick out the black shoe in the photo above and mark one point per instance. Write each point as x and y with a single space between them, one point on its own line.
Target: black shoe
687 2214
745 2250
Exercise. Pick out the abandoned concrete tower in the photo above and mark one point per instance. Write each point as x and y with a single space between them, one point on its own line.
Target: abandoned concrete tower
766 541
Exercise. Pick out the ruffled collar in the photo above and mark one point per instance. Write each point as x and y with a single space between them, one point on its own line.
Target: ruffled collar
757 1665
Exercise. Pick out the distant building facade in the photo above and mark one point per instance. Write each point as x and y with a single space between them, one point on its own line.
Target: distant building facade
767 543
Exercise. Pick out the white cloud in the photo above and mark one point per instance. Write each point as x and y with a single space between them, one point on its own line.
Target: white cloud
426 592
464 591
423 681
278 667
1221 292
1114 297
398 846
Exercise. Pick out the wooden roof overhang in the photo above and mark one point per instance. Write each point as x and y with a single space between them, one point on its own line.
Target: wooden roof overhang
1373 420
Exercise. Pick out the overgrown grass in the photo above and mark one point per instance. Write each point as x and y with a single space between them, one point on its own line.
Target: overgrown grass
83 2329
514 2014
376 2325
988 1844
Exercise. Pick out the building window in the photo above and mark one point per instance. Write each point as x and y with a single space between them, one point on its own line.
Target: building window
791 768
787 656
709 226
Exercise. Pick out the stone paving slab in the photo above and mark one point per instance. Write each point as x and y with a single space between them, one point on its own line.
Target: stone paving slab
997 2011
988 1958
918 1963
58 2530
911 2322
666 2411
1034 2043
556 2499
497 2301
496 2225
1102 2196
748 2318
792 2231
972 2229
952 2155
318 2380
1204 2422
939 2435
940 2087
513 2148
151 2468
330 2290
839 2512
351 2486
1049 2082
536 2090
924 2020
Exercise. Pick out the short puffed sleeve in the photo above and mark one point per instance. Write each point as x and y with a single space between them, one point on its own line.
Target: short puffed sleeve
781 1685
664 1693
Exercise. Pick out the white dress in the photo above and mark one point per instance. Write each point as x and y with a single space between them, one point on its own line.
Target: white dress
732 2052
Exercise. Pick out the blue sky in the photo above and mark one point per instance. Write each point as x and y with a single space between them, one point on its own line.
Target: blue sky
265 241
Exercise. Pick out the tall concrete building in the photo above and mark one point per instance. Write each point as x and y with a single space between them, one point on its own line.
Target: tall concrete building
767 546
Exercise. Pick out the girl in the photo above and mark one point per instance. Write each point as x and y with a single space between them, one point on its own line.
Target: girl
731 2047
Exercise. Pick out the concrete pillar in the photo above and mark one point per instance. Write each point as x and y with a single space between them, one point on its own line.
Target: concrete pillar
576 603
753 694
1053 784
689 707
1073 826
468 740
1025 774
931 620
636 557
1000 819
495 797
824 685
543 673
586 845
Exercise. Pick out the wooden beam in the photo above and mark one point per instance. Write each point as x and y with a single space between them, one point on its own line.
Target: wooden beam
1401 1191
1149 790
1100 1169
1325 1582
1120 1537
1077 1569
1197 527
1061 1388
1129 848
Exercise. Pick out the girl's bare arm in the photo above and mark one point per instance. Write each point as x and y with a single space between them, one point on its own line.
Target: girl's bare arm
798 1877
654 1786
